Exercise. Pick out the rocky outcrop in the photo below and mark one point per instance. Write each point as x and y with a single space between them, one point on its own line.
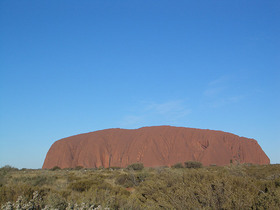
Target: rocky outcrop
153 146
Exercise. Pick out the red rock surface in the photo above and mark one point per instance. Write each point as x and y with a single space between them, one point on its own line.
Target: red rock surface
153 146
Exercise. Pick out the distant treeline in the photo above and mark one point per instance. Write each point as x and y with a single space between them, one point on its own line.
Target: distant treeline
186 185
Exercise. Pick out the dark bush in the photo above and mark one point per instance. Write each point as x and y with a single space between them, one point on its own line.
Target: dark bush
177 165
115 167
193 164
81 185
142 176
55 168
56 201
36 180
79 167
131 179
124 180
135 166
8 168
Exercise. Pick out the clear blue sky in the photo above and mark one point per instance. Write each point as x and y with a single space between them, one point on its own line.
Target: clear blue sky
70 67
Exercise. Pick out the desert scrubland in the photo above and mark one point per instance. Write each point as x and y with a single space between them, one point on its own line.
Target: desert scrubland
183 186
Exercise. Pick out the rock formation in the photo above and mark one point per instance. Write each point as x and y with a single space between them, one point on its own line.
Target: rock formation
153 146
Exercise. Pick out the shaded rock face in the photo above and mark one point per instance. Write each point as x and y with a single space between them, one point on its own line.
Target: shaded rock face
153 146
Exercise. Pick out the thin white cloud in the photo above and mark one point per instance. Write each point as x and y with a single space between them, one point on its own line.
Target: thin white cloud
219 102
170 112
219 81
235 99
167 108
130 121
213 91
217 93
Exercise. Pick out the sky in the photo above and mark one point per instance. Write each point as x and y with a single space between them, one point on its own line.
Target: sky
71 67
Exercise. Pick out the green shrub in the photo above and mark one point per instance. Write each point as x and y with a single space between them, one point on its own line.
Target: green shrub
56 201
115 167
79 167
142 176
55 168
193 164
4 171
131 179
124 180
81 185
8 168
177 165
136 166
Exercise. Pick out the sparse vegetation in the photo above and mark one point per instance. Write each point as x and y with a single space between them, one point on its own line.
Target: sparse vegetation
177 165
55 168
193 164
136 166
240 186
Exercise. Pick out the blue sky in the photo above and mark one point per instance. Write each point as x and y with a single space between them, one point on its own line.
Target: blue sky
70 67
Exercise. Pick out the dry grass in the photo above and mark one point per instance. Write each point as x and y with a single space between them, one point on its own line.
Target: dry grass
229 187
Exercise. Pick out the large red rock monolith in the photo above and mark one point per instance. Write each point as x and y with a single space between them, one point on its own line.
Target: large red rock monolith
153 146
